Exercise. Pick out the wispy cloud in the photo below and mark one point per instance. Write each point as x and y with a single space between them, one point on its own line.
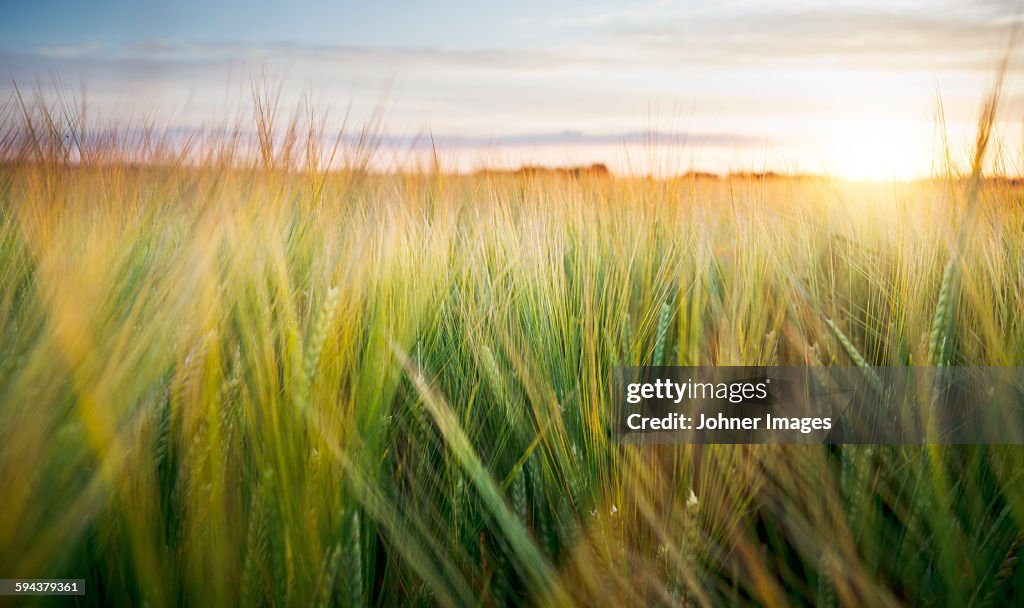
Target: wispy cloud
574 138
69 51
913 36
344 56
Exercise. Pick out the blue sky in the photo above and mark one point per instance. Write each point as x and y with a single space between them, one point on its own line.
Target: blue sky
769 84
386 23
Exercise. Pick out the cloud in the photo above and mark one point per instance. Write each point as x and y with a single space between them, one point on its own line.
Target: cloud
959 37
171 52
573 138
444 141
69 51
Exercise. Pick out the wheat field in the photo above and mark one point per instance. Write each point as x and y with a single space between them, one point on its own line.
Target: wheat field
264 374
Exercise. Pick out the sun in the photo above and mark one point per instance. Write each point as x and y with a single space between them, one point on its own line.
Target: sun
877 150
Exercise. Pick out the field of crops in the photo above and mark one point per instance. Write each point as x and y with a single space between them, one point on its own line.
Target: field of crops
231 377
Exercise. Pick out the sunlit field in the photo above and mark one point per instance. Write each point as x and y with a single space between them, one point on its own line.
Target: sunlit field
232 377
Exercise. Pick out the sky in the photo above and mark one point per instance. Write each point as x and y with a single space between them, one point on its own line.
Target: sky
843 88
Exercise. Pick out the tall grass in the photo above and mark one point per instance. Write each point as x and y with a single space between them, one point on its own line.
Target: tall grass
231 376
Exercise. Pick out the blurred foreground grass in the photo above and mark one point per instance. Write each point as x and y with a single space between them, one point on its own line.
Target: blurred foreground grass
247 382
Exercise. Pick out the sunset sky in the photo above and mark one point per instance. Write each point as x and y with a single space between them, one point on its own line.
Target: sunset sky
846 88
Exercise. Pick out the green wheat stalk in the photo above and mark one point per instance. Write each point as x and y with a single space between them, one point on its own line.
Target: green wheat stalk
661 336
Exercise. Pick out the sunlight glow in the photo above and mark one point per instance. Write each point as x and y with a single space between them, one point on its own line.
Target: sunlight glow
878 150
